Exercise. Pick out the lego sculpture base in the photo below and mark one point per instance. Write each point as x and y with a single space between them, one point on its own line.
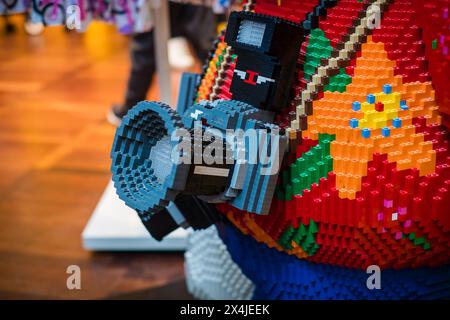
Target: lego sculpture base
115 227
278 276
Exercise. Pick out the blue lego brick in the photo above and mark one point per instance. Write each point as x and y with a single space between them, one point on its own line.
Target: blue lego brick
356 106
370 98
387 89
385 132
396 123
354 123
277 275
188 89
365 133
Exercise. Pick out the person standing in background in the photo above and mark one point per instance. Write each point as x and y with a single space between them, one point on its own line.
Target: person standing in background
198 24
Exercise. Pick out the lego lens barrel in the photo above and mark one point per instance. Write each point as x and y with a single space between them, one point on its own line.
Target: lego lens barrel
144 174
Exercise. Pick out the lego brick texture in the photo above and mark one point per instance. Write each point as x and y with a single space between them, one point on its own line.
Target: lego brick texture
279 276
367 177
210 271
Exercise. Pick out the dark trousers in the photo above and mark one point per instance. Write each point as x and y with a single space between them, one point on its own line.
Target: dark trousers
196 23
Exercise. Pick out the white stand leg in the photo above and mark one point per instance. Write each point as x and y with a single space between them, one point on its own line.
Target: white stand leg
115 227
160 15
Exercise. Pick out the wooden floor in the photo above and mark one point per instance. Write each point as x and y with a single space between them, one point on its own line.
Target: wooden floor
55 90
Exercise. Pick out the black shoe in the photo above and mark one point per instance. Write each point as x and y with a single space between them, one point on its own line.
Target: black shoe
10 28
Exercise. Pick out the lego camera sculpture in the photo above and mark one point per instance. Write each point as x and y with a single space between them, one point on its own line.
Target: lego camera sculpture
161 164
355 169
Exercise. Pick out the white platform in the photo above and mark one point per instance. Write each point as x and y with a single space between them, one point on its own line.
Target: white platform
115 227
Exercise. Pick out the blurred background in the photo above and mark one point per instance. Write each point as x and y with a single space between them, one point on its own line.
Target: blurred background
57 89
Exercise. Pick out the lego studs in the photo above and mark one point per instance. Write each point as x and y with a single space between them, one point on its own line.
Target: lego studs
396 123
403 105
386 132
387 89
379 106
380 111
354 123
365 133
370 98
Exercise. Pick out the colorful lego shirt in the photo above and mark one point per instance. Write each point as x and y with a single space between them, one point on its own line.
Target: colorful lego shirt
367 177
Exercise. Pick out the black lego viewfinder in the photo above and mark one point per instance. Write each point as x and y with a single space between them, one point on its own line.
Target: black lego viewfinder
267 50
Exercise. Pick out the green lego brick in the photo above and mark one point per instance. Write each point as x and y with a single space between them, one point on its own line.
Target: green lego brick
304 236
286 236
313 227
418 241
306 170
318 48
338 82
296 186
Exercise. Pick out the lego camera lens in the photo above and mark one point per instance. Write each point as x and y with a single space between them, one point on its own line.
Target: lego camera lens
144 174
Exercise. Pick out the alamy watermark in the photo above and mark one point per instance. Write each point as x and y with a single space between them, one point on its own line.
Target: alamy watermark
374 280
73 281
73 17
374 17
